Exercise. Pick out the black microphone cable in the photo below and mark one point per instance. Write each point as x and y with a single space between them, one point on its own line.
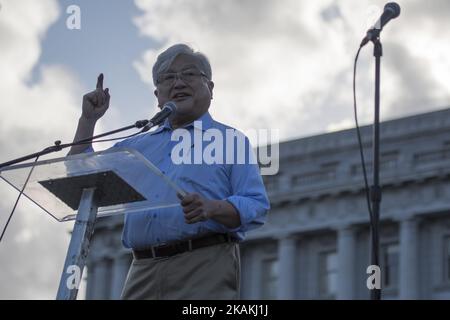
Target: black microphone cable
361 150
18 198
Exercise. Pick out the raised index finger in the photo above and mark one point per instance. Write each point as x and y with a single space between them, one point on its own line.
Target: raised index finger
100 82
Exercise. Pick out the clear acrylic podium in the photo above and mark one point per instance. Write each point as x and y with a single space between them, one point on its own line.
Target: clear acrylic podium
85 186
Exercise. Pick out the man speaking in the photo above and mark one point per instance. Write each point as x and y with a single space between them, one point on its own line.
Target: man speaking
190 251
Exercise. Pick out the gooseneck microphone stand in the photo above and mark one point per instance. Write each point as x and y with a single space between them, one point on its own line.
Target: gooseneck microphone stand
58 146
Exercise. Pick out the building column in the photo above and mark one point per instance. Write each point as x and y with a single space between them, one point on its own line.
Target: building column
120 267
255 275
99 284
90 281
408 266
346 263
286 263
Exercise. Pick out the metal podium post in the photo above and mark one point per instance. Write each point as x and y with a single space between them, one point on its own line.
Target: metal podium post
78 247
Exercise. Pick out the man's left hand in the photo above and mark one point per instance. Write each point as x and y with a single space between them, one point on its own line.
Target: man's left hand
197 208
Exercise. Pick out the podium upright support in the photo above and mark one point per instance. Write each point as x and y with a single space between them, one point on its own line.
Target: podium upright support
78 247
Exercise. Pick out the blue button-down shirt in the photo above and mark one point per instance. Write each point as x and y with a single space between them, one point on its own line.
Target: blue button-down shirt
238 183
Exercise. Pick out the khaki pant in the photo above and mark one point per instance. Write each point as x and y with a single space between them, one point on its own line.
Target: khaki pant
207 273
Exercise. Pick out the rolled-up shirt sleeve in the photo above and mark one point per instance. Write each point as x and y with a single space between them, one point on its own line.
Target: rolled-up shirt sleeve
248 195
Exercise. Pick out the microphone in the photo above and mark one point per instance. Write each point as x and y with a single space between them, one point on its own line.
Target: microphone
391 11
167 110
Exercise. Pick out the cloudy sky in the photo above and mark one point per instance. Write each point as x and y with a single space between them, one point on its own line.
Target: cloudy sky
285 65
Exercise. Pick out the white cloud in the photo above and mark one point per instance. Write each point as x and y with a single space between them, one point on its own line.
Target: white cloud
33 115
288 64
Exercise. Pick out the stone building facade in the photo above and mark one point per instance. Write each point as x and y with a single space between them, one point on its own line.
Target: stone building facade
316 242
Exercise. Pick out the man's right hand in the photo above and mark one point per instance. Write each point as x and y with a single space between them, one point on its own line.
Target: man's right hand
96 103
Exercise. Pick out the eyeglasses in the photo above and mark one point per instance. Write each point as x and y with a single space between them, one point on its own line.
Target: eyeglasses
188 75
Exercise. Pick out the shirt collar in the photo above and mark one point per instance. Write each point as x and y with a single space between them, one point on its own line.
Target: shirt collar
205 122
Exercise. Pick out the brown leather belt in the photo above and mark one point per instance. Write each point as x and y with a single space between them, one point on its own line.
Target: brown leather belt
181 246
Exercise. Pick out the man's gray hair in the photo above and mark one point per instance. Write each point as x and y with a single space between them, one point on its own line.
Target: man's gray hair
166 58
